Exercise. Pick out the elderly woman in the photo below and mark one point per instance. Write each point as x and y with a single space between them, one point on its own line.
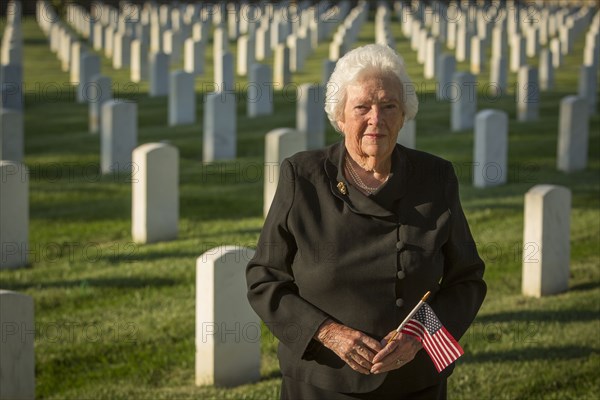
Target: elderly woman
356 234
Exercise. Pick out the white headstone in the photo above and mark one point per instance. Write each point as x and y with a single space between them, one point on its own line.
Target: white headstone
76 54
223 71
193 59
463 42
65 51
98 41
260 91
159 74
588 86
228 331
546 240
566 39
533 41
490 166
477 54
573 134
156 43
11 85
139 60
295 57
263 44
518 57
463 98
119 136
546 70
431 58
282 74
445 73
172 46
182 99
155 193
422 50
17 355
220 127
245 54
498 76
109 40
90 66
408 134
556 52
528 94
328 67
100 90
310 114
220 42
11 135
279 144
14 208
498 41
121 51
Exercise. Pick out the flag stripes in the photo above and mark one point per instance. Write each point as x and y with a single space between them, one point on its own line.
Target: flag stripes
442 348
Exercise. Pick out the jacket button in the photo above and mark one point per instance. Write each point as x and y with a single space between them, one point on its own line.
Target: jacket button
401 274
399 245
399 302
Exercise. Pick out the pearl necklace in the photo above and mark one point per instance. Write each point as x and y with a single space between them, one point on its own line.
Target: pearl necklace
359 182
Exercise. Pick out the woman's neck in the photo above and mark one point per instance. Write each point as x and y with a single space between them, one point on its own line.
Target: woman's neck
375 167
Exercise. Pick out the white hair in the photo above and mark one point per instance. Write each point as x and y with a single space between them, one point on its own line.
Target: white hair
348 70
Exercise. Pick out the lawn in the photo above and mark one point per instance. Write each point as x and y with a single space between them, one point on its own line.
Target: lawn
115 319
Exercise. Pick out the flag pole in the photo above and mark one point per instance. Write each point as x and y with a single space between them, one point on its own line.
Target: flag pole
409 316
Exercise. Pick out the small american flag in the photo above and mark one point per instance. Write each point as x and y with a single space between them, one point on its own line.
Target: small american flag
438 342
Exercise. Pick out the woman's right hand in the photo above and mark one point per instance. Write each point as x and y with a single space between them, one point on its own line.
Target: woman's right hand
352 346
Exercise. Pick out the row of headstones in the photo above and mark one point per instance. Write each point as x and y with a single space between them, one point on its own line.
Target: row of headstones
461 91
11 59
490 149
427 43
225 322
301 36
278 20
491 127
11 79
259 91
153 166
257 45
220 116
155 198
219 131
455 23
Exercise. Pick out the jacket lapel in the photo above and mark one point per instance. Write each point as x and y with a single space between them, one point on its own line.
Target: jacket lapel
374 205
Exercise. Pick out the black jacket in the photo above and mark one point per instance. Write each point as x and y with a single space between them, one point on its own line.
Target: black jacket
323 253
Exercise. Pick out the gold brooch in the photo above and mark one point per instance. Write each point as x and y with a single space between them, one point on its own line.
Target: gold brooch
342 188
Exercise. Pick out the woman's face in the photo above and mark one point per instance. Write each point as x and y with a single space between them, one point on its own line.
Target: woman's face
373 115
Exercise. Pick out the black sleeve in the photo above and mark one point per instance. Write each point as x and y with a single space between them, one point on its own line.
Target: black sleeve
272 292
462 288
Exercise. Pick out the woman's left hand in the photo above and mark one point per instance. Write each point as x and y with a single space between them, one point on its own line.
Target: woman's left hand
396 353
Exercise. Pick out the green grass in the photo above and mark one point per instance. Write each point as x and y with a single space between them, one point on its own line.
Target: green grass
116 320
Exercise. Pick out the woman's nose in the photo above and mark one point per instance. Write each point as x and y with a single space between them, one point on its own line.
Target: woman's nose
374 116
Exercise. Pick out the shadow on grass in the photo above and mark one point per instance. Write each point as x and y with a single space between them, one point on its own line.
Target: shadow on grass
531 354
36 41
568 315
585 286
271 375
116 282
133 256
